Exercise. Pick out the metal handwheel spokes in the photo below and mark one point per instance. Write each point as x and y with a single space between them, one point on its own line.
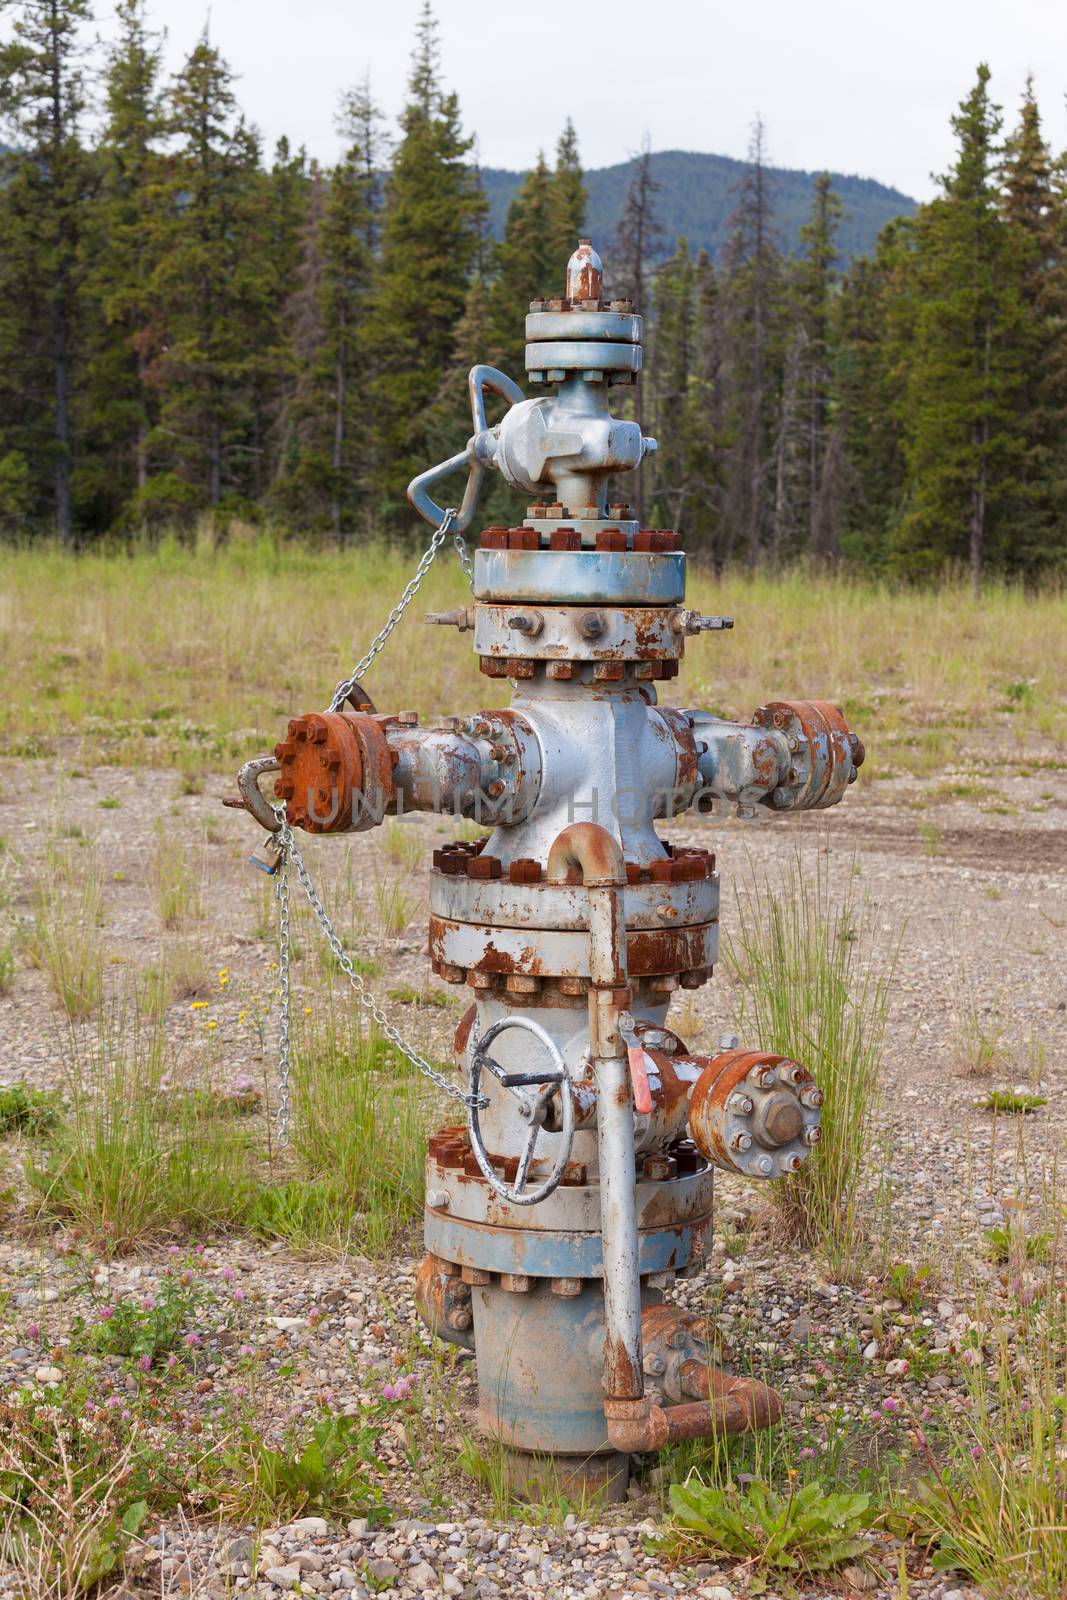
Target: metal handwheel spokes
533 1108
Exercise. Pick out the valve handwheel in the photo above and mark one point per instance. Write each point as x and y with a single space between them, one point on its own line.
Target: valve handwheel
533 1108
476 457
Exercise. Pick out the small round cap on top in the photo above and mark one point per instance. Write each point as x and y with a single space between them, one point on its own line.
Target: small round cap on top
585 273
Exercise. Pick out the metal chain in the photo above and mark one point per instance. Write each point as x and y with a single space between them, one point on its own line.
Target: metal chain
367 999
284 1057
289 854
345 687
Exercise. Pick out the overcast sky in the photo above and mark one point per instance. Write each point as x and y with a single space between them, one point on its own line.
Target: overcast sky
842 84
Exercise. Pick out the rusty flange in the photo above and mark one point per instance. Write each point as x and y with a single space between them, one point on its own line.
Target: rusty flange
755 1113
336 772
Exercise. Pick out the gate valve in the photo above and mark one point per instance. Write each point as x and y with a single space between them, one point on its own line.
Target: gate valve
533 1109
479 453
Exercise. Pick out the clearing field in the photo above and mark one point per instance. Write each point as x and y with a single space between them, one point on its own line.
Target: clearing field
225 1328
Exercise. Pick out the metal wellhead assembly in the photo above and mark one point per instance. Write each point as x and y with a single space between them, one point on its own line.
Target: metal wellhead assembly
580 1183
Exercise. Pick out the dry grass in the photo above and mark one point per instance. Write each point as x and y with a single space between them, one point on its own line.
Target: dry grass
172 657
64 938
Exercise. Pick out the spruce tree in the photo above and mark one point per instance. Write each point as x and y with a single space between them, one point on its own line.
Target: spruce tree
326 467
667 382
119 405
45 181
751 352
429 242
639 234
962 439
526 266
566 207
703 435
870 340
1036 215
815 281
638 240
214 288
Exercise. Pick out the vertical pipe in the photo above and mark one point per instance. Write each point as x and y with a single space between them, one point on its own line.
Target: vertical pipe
623 1375
587 848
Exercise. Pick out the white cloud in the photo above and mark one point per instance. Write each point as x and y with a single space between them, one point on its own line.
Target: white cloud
843 84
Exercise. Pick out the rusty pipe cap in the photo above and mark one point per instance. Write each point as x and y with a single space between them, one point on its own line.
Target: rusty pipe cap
754 1113
335 772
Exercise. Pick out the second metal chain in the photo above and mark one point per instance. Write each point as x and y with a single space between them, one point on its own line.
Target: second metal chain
289 853
411 589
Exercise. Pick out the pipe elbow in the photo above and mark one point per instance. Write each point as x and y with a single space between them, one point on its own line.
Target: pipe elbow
586 853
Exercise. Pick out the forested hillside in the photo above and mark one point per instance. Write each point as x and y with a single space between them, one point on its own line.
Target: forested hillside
189 326
697 195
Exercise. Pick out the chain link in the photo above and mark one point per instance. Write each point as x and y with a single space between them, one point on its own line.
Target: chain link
411 589
290 855
367 999
284 963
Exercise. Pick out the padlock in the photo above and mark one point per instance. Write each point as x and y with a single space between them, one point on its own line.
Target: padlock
267 856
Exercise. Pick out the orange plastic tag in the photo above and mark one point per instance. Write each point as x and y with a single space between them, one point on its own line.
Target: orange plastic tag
639 1079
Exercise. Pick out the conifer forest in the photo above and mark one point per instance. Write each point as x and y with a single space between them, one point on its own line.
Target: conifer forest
192 325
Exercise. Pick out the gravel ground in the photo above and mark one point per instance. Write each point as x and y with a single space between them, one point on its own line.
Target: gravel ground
973 894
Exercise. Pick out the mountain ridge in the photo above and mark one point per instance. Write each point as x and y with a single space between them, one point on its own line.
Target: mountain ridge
698 192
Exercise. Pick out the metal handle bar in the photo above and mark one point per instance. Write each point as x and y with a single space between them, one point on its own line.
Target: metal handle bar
475 457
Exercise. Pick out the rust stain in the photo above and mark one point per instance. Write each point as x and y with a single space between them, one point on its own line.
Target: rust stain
590 851
622 1380
463 1031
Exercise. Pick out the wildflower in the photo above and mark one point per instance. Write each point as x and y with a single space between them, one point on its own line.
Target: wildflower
228 1274
238 1295
148 1304
307 1011
145 1363
792 1472
211 1024
976 1451
890 1405
113 1401
807 1454
245 1350
173 1250
198 1005
172 1362
33 1331
241 1015
193 1340
106 1313
389 1392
